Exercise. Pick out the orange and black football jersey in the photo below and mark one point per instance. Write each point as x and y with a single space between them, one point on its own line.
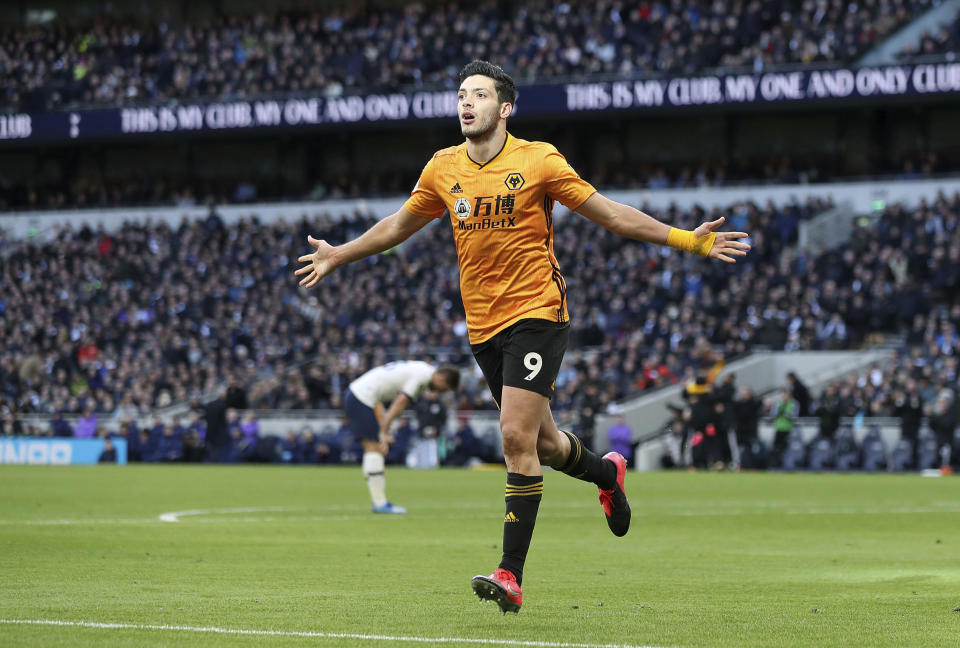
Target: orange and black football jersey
502 217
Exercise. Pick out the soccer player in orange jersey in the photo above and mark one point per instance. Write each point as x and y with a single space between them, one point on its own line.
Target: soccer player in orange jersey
499 192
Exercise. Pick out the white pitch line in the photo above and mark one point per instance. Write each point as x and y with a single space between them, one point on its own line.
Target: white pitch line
175 516
310 634
78 522
196 515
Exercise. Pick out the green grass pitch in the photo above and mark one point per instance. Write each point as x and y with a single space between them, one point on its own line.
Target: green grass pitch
711 560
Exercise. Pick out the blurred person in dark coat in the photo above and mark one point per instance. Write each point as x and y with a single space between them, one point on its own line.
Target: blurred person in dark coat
829 411
590 406
236 396
701 418
129 431
943 422
725 395
726 391
800 394
215 416
746 415
431 414
908 407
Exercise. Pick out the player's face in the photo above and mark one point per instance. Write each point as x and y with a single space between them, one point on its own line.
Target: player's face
439 383
477 106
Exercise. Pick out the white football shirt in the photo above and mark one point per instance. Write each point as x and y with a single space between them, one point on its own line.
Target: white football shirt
383 384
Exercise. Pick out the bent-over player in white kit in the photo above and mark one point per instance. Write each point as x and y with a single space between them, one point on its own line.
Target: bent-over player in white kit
397 383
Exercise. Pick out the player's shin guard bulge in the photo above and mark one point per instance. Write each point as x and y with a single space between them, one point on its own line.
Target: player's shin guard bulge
523 495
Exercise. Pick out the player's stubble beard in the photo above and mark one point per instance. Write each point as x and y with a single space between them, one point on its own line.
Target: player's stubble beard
481 128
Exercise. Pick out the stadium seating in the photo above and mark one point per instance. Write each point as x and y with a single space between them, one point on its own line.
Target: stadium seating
874 452
928 453
902 457
795 454
635 323
847 452
822 455
347 46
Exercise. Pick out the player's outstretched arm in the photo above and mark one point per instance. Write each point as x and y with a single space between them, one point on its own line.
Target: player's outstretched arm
626 221
391 231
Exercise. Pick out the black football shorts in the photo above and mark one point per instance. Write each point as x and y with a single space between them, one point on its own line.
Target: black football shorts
526 355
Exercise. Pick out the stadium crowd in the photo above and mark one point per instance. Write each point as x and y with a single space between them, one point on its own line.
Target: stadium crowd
381 48
904 268
826 31
718 427
918 382
222 304
943 42
918 251
80 331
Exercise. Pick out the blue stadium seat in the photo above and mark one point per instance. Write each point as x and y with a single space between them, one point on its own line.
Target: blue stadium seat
754 456
902 458
846 451
822 455
928 453
874 451
794 457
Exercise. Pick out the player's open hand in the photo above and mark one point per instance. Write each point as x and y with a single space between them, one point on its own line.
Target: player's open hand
317 265
727 245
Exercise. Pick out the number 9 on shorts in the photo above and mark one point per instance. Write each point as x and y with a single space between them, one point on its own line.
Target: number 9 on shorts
526 355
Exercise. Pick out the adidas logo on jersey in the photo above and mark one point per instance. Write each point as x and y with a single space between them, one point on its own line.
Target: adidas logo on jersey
455 189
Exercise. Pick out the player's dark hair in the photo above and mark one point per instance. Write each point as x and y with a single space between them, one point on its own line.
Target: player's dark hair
502 83
451 374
